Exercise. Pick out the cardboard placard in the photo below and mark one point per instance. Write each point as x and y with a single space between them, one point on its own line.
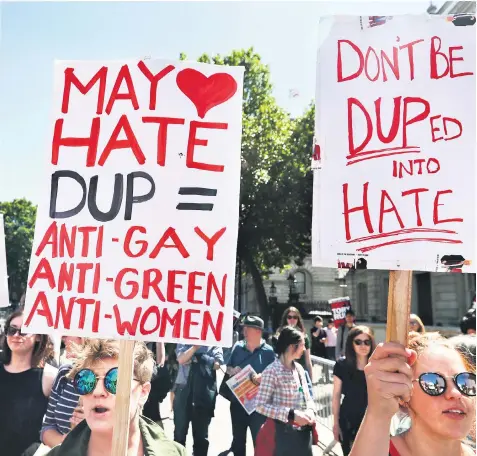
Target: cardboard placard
339 307
137 224
395 103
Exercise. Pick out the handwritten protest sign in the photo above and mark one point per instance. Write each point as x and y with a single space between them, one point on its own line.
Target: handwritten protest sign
339 307
4 296
137 224
244 389
395 188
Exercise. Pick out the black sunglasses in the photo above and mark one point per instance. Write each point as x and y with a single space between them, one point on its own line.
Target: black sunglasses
436 384
292 317
366 342
13 330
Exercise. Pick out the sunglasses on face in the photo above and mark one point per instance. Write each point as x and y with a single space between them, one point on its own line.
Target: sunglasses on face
435 384
13 330
359 342
292 317
413 323
85 381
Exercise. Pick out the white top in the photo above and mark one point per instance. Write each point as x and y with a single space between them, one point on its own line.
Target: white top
330 337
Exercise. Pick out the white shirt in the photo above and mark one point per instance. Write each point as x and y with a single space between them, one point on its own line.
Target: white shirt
330 337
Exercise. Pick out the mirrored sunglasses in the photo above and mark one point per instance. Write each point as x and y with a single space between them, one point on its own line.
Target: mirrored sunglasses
366 342
13 331
85 381
435 384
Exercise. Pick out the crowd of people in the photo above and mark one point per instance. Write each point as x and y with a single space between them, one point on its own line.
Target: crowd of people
386 400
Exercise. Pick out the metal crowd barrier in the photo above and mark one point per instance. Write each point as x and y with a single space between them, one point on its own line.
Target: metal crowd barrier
323 394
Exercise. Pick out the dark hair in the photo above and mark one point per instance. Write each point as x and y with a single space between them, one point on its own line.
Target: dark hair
468 321
350 312
350 354
42 350
299 323
318 318
288 336
330 321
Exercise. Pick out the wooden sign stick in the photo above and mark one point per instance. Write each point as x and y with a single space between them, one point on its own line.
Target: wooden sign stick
399 306
123 398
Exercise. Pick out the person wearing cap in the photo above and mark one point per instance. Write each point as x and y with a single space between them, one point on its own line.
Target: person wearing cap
253 351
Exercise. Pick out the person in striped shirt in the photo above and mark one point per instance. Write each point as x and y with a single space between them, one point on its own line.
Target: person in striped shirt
62 403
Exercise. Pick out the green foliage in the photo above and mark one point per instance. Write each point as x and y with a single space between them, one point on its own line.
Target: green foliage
19 217
276 181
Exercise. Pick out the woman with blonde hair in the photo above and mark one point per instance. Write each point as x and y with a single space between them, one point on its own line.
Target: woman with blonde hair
416 324
94 375
434 384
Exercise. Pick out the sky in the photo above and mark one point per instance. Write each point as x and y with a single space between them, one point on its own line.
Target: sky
34 34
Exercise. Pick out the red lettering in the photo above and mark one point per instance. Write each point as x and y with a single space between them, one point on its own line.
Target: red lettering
364 208
129 143
435 52
394 65
83 302
410 54
66 241
194 141
85 231
123 326
49 238
133 284
436 162
210 241
453 59
339 68
382 211
170 233
43 272
127 242
96 278
175 321
417 118
154 80
163 123
83 268
65 277
43 311
369 126
378 72
91 141
150 282
436 209
70 78
192 287
395 123
208 324
455 122
435 129
142 327
416 192
123 76
62 313
212 284
172 286
188 323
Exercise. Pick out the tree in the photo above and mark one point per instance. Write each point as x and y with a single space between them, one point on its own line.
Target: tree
19 216
276 184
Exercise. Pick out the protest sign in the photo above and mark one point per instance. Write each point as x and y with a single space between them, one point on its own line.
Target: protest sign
244 389
339 307
4 296
395 185
137 224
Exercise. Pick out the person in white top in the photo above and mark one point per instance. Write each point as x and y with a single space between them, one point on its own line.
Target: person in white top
330 342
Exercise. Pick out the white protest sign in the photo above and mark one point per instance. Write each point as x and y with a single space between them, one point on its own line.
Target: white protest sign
396 127
137 226
4 296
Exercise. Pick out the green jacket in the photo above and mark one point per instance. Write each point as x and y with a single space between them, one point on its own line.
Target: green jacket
153 438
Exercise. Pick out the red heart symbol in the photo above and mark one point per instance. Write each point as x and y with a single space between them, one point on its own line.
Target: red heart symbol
206 92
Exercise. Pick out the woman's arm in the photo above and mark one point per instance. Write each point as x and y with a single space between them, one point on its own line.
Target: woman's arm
309 365
389 379
51 437
184 356
48 378
336 406
160 353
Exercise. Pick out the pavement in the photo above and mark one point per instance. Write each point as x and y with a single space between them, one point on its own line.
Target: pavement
220 430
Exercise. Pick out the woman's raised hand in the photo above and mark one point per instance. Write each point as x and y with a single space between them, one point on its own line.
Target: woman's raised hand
389 378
